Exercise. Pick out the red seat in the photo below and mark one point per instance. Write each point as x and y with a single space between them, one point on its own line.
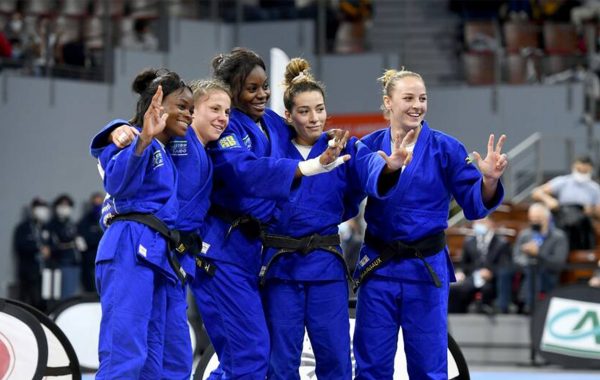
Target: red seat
519 36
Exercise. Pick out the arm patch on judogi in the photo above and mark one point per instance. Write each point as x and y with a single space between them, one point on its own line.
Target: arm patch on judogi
228 142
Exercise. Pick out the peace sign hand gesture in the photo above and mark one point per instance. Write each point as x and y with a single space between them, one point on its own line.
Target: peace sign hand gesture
494 164
400 155
155 121
335 147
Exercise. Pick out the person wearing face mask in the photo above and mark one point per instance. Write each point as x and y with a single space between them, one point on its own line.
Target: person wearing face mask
574 199
31 247
91 232
16 35
486 258
540 253
65 245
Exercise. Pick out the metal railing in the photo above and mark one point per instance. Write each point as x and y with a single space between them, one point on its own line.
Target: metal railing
522 175
524 172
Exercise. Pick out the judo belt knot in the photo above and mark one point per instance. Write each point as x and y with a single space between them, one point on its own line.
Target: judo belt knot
178 241
249 225
427 246
303 245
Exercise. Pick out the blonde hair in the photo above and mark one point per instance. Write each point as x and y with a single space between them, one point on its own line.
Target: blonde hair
202 87
298 79
388 81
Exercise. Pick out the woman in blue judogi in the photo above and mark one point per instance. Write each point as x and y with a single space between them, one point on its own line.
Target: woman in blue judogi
404 268
212 102
250 175
138 289
304 273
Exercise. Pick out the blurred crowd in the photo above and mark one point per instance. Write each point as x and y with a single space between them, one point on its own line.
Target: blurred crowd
68 42
498 272
55 251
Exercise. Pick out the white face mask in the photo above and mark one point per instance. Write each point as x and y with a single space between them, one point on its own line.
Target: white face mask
16 25
581 177
41 214
63 211
480 229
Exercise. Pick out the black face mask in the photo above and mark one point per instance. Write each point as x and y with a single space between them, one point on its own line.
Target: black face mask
536 227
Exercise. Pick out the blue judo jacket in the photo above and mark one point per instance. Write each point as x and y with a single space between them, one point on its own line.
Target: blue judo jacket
250 175
194 185
419 206
141 184
318 204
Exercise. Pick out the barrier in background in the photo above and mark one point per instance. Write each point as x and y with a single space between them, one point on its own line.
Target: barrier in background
32 346
566 327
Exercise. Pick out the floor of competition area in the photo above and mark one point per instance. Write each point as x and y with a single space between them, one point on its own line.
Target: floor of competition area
514 373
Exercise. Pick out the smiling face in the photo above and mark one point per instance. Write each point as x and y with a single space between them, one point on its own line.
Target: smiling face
407 103
308 116
211 115
255 92
179 106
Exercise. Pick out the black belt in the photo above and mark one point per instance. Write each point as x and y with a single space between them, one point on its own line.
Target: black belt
249 225
420 249
179 241
304 245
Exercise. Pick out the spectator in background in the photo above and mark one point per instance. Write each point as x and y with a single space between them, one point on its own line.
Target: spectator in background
309 9
485 264
141 38
65 245
31 248
90 231
540 252
16 35
42 49
355 17
5 46
573 198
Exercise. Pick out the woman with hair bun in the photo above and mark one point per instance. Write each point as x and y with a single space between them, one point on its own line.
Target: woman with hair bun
304 273
404 268
250 176
140 294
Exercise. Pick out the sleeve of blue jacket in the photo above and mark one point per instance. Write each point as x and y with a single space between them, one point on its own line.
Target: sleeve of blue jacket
466 183
249 175
100 141
366 168
124 171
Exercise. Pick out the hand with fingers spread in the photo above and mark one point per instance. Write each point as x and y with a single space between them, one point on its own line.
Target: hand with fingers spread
123 136
493 165
334 148
328 160
155 121
400 155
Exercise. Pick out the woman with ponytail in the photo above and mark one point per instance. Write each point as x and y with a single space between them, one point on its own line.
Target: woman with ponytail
212 102
250 176
304 273
404 269
139 292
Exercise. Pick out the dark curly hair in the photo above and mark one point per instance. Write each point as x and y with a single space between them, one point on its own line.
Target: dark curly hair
234 67
146 83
